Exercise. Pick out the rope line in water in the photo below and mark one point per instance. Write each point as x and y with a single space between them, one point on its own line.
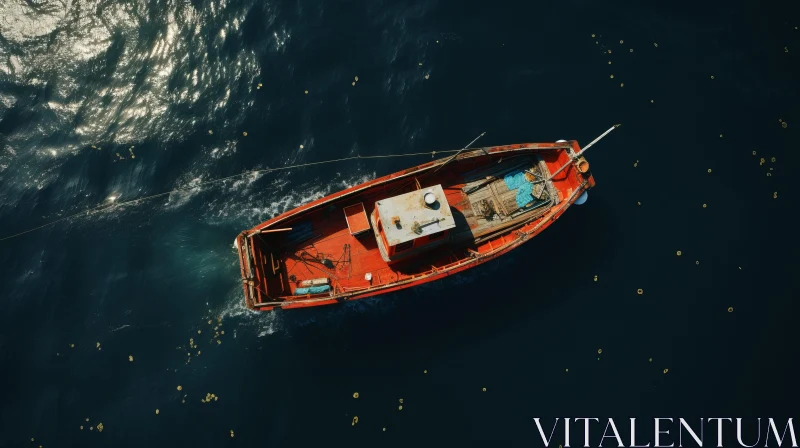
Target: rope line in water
106 206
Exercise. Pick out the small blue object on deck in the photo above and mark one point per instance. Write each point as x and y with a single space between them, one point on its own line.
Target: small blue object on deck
311 290
518 181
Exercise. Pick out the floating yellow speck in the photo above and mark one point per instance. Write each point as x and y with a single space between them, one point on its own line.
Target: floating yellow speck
679 253
761 162
100 427
655 44
231 433
245 135
666 370
484 389
635 164
157 411
622 84
775 195
98 345
91 428
697 262
772 160
704 205
754 153
81 427
599 351
595 278
730 309
71 345
712 76
202 400
651 359
400 408
651 101
94 147
592 35
427 76
384 429
130 358
306 92
638 203
222 332
355 420
424 371
609 62
180 387
566 370
219 342
400 400
620 41
32 439
609 51
612 76
720 135
784 125
198 353
709 171
354 83
259 85
640 291
210 132
356 78
631 50
355 395
183 401
87 419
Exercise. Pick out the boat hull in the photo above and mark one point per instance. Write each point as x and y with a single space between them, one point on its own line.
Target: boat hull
273 266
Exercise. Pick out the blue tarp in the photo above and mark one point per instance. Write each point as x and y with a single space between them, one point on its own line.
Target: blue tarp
311 290
517 180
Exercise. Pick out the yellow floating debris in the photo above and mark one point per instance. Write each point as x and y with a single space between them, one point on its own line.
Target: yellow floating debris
301 146
762 161
651 101
130 358
231 433
100 427
32 439
622 84
71 345
259 86
245 135
157 411
595 278
679 253
427 76
609 62
730 309
720 135
609 51
655 44
306 92
400 408
91 428
355 420
94 147
784 125
638 203
87 419
754 153
651 359
210 132
354 83
640 291
772 160
631 50
665 371
81 427
775 195
635 164
355 395
620 41
98 345
219 342
183 401
704 205
198 353
356 78
209 322
180 387
599 351
566 370
384 429
424 371
709 171
612 76
400 400
592 35
697 262
712 76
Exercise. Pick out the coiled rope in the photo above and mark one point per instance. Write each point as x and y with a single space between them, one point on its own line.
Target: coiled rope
114 204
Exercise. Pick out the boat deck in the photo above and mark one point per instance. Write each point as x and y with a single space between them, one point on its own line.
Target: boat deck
327 246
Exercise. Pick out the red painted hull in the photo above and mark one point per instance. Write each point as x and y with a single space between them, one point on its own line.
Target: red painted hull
273 266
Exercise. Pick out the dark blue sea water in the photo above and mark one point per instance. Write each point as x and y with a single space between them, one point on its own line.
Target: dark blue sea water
702 90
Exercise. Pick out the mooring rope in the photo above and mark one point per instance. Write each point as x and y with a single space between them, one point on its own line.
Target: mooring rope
114 204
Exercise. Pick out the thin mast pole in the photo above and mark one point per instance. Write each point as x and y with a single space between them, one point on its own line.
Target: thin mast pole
584 150
459 152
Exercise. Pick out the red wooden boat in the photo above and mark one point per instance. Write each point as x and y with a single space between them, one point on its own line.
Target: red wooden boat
411 227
